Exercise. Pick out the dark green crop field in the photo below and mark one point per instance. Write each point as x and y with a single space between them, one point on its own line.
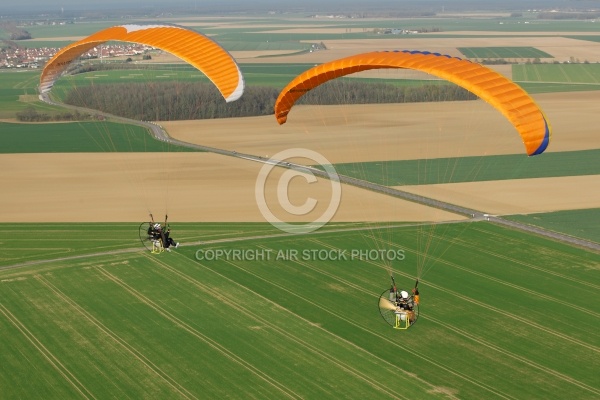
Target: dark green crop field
18 91
187 324
579 223
559 73
503 52
77 137
470 169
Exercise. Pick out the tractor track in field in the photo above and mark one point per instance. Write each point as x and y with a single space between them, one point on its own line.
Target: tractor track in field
210 242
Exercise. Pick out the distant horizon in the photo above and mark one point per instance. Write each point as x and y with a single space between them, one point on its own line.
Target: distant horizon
69 8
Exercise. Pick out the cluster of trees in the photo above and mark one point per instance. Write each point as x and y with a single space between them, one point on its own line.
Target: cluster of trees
168 101
30 114
144 57
382 14
347 91
587 15
14 32
20 35
502 61
80 68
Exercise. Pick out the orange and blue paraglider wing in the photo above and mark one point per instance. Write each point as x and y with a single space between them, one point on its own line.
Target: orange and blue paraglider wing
502 93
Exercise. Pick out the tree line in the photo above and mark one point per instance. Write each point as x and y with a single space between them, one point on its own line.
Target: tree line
15 32
30 114
348 91
169 101
582 15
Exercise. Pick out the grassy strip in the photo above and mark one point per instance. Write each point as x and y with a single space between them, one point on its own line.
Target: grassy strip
544 87
76 137
53 240
472 169
579 223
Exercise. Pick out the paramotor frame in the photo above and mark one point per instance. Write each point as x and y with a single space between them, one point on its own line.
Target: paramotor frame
390 314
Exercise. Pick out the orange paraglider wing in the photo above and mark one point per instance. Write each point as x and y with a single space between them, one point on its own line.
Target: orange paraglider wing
502 93
196 49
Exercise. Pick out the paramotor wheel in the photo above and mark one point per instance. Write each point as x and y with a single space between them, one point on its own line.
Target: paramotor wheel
387 309
144 236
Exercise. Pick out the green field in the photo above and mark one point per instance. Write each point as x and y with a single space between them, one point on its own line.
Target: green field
534 78
67 240
23 82
181 73
274 75
545 87
69 30
503 52
470 169
558 73
169 326
18 91
78 137
591 38
578 223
